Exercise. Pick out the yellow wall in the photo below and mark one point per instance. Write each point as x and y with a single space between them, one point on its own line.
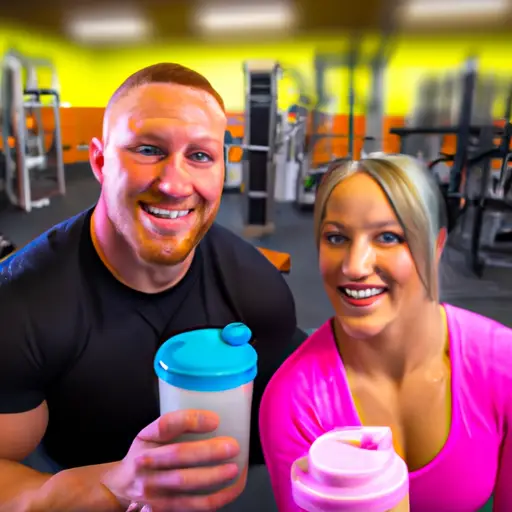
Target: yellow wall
73 63
88 77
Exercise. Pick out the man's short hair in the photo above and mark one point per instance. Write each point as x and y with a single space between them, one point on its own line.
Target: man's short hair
166 73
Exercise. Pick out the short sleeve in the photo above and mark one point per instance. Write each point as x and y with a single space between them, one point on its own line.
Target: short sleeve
21 380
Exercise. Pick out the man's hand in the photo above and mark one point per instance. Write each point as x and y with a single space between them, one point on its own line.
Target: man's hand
164 475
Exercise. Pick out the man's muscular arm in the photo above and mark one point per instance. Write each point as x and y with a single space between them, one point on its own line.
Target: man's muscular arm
24 418
75 490
22 489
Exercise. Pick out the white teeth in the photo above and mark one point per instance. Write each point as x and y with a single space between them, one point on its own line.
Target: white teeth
363 294
165 214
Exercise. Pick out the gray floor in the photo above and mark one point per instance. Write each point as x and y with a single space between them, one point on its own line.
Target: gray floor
491 296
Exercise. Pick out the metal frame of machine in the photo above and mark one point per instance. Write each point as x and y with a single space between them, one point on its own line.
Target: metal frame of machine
28 156
270 145
259 145
475 149
350 60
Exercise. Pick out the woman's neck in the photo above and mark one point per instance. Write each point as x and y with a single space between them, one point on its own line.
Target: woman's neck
120 259
400 349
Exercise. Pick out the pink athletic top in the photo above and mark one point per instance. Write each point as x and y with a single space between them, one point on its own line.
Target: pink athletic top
309 395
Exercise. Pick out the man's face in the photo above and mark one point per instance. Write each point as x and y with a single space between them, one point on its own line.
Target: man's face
161 169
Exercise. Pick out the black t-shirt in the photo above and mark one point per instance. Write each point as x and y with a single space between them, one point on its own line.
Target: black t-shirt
75 336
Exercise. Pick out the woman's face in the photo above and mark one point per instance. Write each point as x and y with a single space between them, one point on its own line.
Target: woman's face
367 268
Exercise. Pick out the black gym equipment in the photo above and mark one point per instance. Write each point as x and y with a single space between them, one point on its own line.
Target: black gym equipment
476 148
259 145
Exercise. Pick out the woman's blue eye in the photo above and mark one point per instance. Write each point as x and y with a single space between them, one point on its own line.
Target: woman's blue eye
200 157
390 238
335 239
147 150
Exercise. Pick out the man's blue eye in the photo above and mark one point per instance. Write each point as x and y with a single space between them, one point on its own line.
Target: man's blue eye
148 150
199 156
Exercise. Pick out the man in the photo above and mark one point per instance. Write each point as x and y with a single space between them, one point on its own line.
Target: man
86 305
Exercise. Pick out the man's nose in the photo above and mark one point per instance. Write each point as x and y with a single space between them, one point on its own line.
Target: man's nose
174 179
359 260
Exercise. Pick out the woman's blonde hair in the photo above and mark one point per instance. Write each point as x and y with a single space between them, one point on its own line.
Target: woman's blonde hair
415 198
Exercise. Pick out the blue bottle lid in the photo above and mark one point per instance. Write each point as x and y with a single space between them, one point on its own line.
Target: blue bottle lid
208 359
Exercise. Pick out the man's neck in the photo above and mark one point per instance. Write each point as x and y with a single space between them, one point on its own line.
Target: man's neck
125 265
403 347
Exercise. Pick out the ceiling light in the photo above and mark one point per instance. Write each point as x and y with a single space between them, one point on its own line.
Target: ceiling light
101 29
421 9
240 18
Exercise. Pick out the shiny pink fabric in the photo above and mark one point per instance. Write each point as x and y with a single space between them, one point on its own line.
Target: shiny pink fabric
309 396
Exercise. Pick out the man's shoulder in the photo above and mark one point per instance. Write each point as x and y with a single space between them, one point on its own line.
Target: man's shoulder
231 249
258 289
218 234
44 260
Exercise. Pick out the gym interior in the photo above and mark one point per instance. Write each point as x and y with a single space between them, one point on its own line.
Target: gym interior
302 88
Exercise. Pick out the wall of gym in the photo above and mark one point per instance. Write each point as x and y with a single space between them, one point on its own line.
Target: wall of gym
88 77
101 71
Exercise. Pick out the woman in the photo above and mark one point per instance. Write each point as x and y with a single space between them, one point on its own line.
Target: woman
439 376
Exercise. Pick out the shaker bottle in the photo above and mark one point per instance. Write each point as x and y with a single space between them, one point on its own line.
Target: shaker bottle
211 369
350 470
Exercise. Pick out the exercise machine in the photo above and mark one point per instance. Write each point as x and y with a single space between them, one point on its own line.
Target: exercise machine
233 169
312 170
477 202
259 144
491 234
351 60
273 145
430 109
32 174
462 129
292 151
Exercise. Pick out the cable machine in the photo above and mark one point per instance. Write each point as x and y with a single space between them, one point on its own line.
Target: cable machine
32 173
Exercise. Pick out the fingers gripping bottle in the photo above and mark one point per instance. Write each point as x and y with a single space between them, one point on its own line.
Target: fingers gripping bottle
351 470
211 369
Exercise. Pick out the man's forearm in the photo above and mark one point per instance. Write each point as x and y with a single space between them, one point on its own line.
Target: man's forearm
16 482
76 490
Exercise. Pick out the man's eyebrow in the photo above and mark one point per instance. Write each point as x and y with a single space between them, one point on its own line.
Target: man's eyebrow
154 135
207 138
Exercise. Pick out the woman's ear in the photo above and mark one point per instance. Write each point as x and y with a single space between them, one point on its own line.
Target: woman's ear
441 242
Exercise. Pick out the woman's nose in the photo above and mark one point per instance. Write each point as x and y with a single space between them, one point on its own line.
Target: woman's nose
358 261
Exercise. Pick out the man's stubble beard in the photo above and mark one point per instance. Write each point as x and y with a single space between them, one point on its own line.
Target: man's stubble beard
176 249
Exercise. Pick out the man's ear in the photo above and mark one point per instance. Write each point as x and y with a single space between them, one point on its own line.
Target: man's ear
96 158
441 242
